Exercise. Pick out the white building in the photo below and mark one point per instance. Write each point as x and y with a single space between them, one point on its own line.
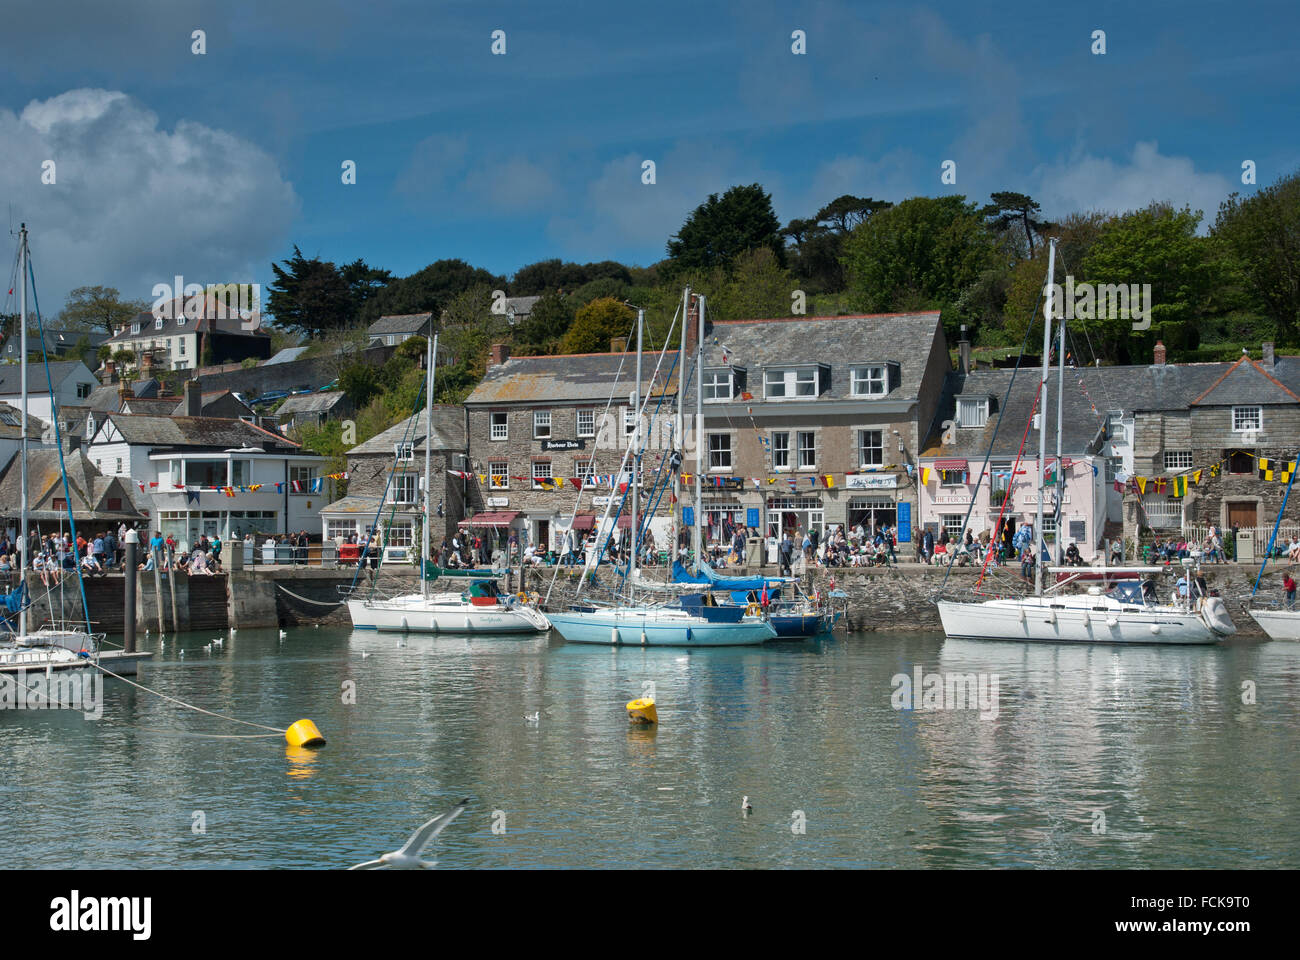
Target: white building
72 380
208 475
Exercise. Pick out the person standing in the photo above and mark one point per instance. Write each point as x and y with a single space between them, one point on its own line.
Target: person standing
786 554
1288 584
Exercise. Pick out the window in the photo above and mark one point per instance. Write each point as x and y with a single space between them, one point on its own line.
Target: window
135 328
158 323
241 473
404 489
180 322
119 465
541 471
583 471
972 413
629 421
405 451
781 451
400 534
719 451
83 390
952 523
1240 462
807 449
180 346
871 448
586 423
1247 419
115 503
205 473
1049 525
339 529
302 475
869 381
60 504
1178 459
541 424
790 383
1112 468
498 471
717 385
499 429
952 478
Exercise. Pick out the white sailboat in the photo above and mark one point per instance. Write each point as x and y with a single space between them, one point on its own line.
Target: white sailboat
1128 613
52 646
1279 622
693 622
480 608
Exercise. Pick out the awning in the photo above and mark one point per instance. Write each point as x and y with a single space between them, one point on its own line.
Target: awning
500 519
950 464
625 521
584 521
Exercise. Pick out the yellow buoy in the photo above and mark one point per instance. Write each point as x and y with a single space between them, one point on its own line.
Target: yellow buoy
304 734
642 711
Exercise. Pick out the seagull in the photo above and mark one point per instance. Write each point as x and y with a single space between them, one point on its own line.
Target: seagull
408 858
364 654
182 653
533 717
216 641
745 805
207 647
283 634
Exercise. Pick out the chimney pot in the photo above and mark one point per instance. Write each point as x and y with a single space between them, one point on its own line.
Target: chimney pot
1159 353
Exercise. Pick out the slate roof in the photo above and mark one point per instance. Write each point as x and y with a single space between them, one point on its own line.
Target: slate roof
60 370
56 341
106 398
366 506
312 402
840 342
1247 381
448 433
285 355
399 323
520 306
211 433
577 377
87 485
11 424
172 326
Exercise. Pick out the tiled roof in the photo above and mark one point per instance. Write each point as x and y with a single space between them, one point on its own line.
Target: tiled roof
206 432
448 433
399 323
565 378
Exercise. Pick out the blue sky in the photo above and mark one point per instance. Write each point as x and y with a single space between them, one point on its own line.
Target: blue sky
211 166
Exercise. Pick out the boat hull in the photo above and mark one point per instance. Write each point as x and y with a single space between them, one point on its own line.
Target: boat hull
401 616
800 625
635 628
1278 624
1066 624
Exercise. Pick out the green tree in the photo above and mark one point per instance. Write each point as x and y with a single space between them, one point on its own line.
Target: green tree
722 228
98 309
546 325
1010 209
596 324
428 290
309 295
759 288
1261 236
361 383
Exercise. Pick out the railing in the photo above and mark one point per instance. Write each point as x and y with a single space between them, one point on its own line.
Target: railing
1161 514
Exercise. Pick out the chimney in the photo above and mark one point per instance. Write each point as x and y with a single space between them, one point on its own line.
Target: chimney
499 353
1269 359
963 352
1159 354
110 371
618 345
692 326
146 364
193 399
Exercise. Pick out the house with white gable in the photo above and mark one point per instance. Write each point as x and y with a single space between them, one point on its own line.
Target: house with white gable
212 475
72 380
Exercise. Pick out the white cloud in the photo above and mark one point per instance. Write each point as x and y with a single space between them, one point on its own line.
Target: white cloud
1087 182
134 204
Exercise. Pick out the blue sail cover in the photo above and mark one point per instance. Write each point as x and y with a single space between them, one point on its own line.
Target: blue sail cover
708 576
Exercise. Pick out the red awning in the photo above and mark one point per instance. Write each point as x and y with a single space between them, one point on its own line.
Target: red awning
502 519
584 521
625 521
950 464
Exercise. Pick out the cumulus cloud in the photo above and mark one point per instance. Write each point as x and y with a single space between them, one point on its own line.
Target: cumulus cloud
133 203
1088 182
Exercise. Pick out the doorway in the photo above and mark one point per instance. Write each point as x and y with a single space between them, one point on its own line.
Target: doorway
1242 513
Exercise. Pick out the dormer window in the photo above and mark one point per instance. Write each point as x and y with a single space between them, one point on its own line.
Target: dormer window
180 321
158 323
718 384
791 383
972 411
869 381
135 328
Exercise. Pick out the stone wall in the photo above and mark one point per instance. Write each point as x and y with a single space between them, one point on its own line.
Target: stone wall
306 374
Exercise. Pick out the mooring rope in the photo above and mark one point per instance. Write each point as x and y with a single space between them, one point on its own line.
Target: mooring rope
189 706
319 603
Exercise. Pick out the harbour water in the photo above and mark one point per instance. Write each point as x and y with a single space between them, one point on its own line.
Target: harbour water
1157 741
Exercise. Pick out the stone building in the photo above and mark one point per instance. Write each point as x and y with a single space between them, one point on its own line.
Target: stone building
385 475
812 421
544 430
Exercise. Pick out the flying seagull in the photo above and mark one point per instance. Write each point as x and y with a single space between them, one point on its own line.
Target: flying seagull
408 858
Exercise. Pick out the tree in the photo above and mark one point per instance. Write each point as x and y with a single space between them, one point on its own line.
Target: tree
722 228
921 254
310 295
553 275
1015 209
428 290
99 309
363 282
546 325
360 382
596 324
759 288
1261 235
844 214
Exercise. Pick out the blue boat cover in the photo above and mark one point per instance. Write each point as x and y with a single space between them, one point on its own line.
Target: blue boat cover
707 575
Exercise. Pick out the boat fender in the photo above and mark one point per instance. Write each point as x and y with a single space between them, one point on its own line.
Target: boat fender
1155 628
1112 621
753 610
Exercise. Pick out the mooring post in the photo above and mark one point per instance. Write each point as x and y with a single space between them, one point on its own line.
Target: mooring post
157 585
171 582
128 622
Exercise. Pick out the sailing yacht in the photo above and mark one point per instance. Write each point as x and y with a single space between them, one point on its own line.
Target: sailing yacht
479 608
1280 623
696 620
1131 612
52 646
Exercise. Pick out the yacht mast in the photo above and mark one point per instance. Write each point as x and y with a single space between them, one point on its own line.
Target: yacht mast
1036 547
1060 410
696 531
679 434
431 359
636 458
22 346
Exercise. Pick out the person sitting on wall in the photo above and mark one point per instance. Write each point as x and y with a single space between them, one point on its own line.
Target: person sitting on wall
1073 558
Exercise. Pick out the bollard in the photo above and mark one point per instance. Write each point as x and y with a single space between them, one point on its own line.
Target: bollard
128 640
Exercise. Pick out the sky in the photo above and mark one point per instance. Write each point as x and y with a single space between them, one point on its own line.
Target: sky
210 166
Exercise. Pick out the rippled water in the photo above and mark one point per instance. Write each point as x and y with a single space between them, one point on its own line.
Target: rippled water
1156 739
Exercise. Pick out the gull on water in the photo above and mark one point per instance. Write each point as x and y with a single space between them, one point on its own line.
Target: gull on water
283 634
745 805
408 858
533 717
